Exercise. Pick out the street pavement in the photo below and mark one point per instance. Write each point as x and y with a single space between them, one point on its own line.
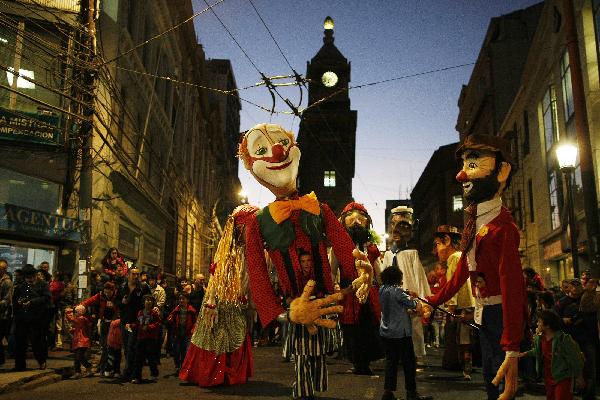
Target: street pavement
272 380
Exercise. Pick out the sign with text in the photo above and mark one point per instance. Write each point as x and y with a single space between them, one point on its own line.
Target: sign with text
29 127
38 223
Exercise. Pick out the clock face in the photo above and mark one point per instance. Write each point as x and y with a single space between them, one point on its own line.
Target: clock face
329 79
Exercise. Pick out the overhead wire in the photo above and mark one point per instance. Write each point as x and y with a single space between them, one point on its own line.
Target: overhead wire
185 21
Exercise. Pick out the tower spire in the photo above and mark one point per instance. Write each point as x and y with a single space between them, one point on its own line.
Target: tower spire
328 33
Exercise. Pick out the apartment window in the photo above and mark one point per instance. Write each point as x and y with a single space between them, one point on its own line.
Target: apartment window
551 136
531 209
329 179
596 12
567 88
21 52
525 133
555 198
550 119
457 202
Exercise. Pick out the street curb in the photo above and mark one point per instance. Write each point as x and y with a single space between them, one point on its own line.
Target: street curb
42 378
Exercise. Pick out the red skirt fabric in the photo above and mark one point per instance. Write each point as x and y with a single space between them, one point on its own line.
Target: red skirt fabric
205 368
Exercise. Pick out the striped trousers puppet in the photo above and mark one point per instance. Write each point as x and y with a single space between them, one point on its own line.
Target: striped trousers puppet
308 352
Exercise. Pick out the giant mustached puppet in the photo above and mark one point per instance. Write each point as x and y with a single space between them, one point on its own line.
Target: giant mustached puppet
490 250
361 321
288 227
414 278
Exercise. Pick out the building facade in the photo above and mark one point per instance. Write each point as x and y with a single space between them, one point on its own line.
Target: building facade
36 134
154 155
437 200
540 114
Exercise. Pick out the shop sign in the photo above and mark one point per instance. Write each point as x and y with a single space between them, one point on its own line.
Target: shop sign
552 250
129 242
41 224
29 127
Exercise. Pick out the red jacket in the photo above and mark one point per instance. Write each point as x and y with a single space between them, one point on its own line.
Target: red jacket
151 322
56 289
80 327
190 320
283 242
497 256
116 270
107 307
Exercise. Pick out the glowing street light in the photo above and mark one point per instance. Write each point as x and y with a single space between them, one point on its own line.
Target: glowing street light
566 153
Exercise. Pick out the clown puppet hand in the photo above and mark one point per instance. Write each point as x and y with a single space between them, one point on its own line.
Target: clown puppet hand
509 370
309 312
363 283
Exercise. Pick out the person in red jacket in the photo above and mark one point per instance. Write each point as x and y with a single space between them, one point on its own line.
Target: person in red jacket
107 312
182 320
147 325
80 328
114 266
490 249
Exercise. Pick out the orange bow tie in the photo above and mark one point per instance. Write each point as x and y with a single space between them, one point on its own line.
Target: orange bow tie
282 209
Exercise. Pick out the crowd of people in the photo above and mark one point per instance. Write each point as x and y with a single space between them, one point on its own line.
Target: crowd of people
136 316
131 315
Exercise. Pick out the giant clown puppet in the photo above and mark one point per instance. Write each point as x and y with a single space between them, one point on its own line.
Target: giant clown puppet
361 326
289 226
489 248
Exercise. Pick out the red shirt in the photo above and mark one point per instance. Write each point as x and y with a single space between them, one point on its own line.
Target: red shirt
152 323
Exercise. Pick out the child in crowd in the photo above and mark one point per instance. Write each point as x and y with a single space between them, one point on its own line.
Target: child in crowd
396 334
148 330
558 357
80 328
114 343
182 320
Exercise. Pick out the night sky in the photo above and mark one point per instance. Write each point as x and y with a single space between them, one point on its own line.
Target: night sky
400 123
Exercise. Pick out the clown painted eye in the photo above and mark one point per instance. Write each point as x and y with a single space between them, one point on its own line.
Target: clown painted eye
261 151
472 165
284 142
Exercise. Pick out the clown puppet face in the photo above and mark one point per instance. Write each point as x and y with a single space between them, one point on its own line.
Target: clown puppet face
271 155
481 178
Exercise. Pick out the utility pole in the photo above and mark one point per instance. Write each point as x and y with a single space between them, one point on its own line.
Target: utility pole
583 140
87 57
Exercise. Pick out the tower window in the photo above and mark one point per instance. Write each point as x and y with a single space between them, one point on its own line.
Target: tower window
329 179
457 203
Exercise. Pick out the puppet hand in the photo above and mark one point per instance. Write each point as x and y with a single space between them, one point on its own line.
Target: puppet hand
509 371
306 312
363 283
211 315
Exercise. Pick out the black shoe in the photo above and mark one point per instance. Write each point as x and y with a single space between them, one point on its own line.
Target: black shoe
417 396
15 369
388 396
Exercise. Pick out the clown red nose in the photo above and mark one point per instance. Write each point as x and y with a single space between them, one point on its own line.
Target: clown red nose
462 176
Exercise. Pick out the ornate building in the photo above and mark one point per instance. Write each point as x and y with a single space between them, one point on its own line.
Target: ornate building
327 134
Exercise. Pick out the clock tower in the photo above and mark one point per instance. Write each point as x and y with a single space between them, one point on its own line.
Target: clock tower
327 134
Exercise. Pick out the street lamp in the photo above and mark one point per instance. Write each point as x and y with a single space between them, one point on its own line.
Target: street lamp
566 153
